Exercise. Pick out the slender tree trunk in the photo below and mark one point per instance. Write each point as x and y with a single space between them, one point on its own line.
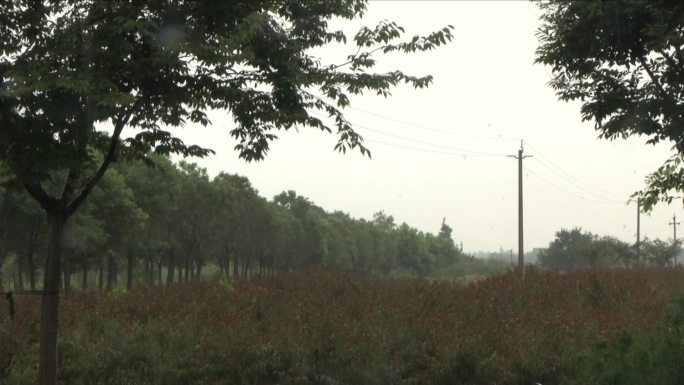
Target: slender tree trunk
49 322
84 280
171 267
146 271
151 276
187 266
3 252
31 251
159 272
111 270
221 262
198 263
245 269
236 270
31 266
129 269
100 273
67 278
20 272
115 273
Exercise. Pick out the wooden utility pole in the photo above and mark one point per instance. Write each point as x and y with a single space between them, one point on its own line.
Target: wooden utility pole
638 240
674 224
521 248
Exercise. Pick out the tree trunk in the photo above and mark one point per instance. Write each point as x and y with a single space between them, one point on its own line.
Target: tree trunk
31 266
187 266
171 267
20 272
67 278
236 270
49 320
151 272
198 263
84 280
146 271
31 251
159 272
111 271
221 262
2 261
100 273
129 269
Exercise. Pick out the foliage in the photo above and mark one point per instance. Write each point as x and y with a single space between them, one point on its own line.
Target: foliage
659 253
316 326
623 60
169 222
573 249
630 358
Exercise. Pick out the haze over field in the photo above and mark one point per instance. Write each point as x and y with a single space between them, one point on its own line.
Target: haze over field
442 151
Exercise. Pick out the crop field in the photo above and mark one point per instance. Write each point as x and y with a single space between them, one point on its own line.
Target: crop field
613 326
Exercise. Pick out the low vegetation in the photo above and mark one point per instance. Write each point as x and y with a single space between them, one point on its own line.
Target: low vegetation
604 326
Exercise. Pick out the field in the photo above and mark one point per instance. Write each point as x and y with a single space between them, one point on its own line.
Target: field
612 326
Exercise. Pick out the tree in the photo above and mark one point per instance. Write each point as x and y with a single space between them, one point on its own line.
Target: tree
624 60
67 66
571 249
575 249
658 252
153 189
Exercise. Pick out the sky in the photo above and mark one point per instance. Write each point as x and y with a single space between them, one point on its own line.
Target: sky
442 152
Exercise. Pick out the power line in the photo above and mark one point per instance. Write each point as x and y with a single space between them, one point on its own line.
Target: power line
472 152
546 162
432 151
605 201
433 128
462 151
448 132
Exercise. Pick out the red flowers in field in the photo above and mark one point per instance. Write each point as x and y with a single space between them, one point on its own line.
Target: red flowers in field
364 329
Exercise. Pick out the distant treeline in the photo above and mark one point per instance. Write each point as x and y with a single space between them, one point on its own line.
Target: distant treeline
576 249
161 223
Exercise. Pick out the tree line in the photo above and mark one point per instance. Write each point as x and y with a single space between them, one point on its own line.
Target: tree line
576 249
164 223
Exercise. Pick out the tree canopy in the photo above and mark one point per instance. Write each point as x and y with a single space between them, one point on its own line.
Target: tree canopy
624 61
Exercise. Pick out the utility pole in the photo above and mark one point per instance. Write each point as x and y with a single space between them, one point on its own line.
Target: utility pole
674 224
521 249
638 241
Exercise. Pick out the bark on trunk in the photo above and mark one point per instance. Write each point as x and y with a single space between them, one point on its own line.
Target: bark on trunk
20 273
31 267
100 273
159 272
111 271
31 251
170 271
84 280
67 278
187 267
2 261
236 270
49 322
129 269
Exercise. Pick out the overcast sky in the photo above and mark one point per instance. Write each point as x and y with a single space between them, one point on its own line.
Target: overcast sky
486 96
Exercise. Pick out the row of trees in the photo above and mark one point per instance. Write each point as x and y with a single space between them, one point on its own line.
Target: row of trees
168 222
573 249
